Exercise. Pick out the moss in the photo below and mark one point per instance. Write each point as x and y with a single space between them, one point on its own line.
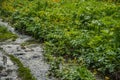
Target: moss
5 34
23 72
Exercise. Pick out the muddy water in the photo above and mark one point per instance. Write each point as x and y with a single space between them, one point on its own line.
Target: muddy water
30 55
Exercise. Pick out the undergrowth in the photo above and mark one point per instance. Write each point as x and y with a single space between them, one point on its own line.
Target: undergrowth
85 32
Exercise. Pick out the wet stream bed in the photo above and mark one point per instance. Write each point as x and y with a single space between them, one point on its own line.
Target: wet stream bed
31 55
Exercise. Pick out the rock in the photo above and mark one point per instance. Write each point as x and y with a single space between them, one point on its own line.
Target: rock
9 71
1 63
19 54
35 56
6 78
9 63
9 46
18 48
9 78
3 73
28 50
4 60
23 47
1 68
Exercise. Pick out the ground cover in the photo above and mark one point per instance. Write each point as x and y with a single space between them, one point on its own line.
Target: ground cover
78 34
5 34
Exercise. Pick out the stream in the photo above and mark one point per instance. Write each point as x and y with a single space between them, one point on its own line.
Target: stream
31 55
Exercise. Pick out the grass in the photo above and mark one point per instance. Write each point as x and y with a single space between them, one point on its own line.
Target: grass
23 72
28 42
5 35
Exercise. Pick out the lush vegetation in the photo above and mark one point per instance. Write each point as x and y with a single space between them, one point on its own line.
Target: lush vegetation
23 72
5 34
78 34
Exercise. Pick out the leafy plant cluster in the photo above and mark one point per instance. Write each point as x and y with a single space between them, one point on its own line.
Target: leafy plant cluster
83 31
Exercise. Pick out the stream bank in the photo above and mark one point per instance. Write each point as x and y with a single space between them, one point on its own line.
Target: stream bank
30 55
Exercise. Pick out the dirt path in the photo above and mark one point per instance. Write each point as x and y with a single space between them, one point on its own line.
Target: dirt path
31 55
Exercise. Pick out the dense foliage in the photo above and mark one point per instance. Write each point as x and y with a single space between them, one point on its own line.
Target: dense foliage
83 32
